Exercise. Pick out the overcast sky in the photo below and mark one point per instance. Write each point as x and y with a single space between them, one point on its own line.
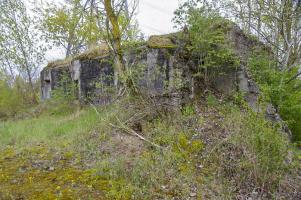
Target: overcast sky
154 17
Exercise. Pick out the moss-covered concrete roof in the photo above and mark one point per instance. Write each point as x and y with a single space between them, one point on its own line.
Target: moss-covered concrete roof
156 42
99 51
168 41
162 41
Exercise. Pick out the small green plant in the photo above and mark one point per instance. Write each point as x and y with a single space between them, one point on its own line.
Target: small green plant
211 100
187 147
66 90
188 110
239 99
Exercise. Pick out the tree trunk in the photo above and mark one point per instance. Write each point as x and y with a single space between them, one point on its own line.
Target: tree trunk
249 15
116 33
126 7
68 50
259 19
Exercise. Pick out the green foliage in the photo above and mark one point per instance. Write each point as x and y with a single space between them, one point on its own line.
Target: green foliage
278 90
10 100
15 99
21 51
188 110
64 98
267 143
198 156
79 25
67 90
239 99
211 100
70 26
207 40
260 150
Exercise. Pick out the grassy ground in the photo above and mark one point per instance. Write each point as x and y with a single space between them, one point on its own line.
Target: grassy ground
47 128
207 150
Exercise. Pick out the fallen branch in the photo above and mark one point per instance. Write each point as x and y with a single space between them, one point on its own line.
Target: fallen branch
134 133
128 130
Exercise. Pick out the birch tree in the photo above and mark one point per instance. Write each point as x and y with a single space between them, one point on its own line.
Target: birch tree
21 51
72 25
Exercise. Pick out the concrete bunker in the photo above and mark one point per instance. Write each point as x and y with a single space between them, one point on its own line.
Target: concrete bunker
161 71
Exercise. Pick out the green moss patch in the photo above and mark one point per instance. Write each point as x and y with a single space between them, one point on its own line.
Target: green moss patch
39 173
60 63
156 41
161 41
97 51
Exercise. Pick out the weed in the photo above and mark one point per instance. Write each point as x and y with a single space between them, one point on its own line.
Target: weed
211 100
188 110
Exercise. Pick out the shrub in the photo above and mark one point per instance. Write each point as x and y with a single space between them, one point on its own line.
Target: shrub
277 89
254 154
11 100
207 42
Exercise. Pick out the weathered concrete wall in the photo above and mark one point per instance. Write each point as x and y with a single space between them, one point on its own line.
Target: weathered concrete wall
53 78
96 80
46 84
240 80
157 71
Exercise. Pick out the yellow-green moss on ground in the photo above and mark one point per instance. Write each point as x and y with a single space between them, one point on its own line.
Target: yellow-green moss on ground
38 173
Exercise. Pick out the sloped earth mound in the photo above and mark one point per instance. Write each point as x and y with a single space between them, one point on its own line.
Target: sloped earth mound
210 149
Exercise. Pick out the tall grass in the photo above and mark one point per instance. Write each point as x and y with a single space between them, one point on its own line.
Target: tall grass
47 128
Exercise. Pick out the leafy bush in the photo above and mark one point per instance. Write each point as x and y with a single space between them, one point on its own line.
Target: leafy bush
253 155
285 95
207 40
188 110
15 97
66 89
10 100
